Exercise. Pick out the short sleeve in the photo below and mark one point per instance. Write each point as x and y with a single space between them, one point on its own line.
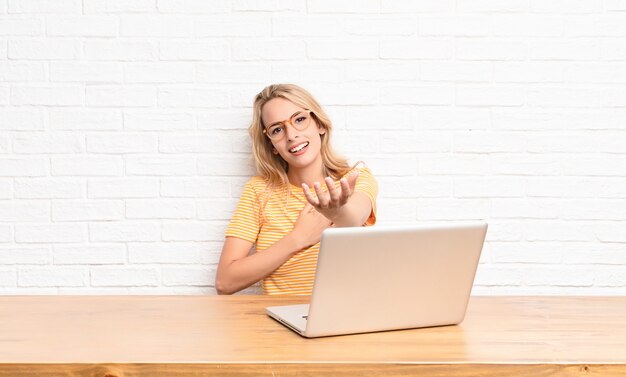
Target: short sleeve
246 221
366 183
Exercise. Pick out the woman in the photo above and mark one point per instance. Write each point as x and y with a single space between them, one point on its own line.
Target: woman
284 209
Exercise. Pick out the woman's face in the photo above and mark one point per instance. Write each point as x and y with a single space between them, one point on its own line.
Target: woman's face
299 148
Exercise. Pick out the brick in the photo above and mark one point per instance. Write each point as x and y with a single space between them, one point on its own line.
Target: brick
499 276
48 143
512 208
123 188
342 49
417 48
214 187
416 95
492 6
491 49
116 50
89 254
268 5
311 26
456 71
489 187
453 209
23 27
610 276
18 255
22 71
195 51
216 209
561 6
85 72
169 72
563 142
126 231
49 188
50 233
562 187
594 209
524 164
188 276
414 142
594 73
594 26
47 95
454 25
517 25
609 231
580 49
80 119
86 166
120 96
526 252
559 276
594 165
235 25
528 120
193 6
174 253
453 119
488 142
489 96
317 71
23 167
150 120
193 97
165 26
124 277
399 210
255 49
121 143
160 166
21 120
118 6
558 231
457 164
233 73
613 49
24 211
87 210
45 6
83 26
206 143
529 72
160 209
223 166
6 189
436 6
193 231
43 49
51 277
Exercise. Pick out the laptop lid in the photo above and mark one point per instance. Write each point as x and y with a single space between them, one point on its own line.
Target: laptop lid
386 278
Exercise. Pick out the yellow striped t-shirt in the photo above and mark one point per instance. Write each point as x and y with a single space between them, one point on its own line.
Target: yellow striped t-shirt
265 216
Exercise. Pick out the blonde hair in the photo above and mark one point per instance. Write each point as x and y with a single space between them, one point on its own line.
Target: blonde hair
272 166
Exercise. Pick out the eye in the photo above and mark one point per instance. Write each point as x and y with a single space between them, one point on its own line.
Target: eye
276 130
300 119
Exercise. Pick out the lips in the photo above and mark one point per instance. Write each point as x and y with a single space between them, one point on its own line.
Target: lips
299 148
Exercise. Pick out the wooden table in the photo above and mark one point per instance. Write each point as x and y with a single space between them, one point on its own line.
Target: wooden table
217 335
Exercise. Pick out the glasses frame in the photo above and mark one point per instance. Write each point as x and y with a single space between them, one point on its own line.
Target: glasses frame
288 121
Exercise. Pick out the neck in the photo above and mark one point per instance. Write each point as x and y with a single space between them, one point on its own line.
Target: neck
308 174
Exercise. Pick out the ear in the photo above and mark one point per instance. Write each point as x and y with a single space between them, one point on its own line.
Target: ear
322 130
274 151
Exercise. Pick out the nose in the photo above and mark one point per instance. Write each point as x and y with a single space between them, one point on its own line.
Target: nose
290 131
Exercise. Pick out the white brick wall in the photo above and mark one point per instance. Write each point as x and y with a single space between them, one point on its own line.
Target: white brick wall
123 143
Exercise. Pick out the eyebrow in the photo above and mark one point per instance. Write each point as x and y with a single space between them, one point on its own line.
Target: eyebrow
280 121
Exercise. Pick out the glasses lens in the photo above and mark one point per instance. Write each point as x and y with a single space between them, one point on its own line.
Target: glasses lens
300 121
276 131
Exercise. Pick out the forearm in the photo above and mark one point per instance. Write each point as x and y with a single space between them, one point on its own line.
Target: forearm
244 272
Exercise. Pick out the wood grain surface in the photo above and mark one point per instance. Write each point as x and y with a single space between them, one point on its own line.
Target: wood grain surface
232 336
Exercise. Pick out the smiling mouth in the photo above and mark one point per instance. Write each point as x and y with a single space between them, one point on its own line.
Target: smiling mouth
299 147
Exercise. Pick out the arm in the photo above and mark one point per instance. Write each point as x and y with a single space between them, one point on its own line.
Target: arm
237 270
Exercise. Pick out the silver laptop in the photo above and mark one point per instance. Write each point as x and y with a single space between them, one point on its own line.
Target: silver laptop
388 278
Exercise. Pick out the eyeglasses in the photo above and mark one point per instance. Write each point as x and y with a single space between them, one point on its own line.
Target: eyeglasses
300 121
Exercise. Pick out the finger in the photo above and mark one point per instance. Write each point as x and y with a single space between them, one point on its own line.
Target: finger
352 179
321 197
309 197
346 192
332 191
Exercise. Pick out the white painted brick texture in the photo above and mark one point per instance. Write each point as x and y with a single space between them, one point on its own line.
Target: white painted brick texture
124 145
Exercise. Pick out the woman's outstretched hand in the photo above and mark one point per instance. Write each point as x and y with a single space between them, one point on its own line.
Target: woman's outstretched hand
329 203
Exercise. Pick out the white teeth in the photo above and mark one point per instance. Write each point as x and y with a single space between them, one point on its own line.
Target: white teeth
298 148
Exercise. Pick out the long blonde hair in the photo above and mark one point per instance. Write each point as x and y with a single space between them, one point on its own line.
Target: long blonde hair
272 166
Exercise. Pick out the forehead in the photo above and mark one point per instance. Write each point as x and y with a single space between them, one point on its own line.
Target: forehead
277 110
